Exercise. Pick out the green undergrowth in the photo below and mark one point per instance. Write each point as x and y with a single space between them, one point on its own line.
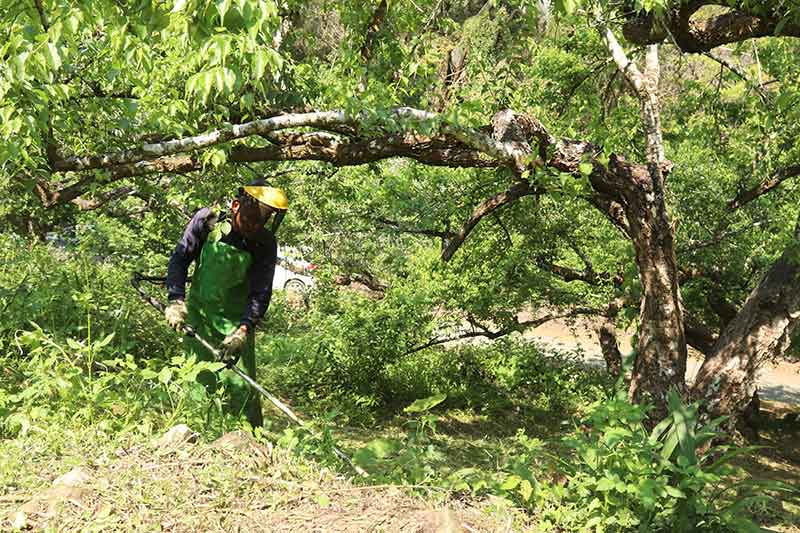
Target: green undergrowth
91 377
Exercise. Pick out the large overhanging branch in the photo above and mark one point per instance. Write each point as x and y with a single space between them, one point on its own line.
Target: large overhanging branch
317 146
701 34
512 144
502 151
625 65
71 193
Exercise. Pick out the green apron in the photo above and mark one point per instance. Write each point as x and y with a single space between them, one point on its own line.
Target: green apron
216 301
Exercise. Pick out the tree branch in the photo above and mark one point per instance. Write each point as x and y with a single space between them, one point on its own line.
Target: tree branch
476 140
486 332
568 274
587 262
515 192
42 15
745 197
365 278
373 27
104 198
694 35
444 235
625 65
765 97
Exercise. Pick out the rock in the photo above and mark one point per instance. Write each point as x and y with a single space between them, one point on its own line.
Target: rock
176 436
19 521
77 477
55 496
444 521
72 487
243 442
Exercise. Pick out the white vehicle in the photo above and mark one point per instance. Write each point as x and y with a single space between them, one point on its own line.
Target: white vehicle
292 272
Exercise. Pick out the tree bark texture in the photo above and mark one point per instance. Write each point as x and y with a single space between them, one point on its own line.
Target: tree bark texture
694 33
758 334
608 346
661 351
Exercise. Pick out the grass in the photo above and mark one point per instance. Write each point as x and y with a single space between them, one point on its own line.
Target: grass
251 485
232 484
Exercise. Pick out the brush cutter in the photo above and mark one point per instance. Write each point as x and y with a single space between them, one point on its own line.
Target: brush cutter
187 330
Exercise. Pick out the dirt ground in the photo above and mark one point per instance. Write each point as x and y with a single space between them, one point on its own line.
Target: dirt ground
780 383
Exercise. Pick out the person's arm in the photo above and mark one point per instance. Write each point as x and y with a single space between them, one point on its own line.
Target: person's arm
260 276
186 251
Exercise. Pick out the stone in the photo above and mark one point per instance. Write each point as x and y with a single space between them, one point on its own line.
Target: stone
443 521
176 436
243 442
77 477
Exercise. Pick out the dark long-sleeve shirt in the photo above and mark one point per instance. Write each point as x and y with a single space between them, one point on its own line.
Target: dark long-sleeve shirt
262 247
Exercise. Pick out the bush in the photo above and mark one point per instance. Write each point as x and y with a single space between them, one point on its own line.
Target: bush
623 478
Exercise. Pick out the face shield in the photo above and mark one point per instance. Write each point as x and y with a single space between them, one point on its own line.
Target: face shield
260 202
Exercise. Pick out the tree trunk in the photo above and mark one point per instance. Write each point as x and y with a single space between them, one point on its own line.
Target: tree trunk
758 334
610 349
661 352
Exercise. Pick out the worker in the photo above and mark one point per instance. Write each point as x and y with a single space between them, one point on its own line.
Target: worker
235 258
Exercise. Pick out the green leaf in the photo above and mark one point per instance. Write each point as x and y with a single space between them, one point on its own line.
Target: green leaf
219 79
511 482
383 448
148 373
670 443
659 430
525 489
605 484
425 404
566 6
222 8
208 83
53 58
259 63
674 492
73 23
165 375
585 168
74 345
275 59
107 339
230 79
192 83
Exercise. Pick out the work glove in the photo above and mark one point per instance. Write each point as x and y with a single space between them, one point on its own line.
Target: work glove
175 313
232 346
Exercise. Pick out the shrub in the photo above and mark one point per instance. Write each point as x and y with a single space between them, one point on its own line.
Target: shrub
623 478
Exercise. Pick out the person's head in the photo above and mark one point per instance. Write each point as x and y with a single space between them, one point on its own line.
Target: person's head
255 204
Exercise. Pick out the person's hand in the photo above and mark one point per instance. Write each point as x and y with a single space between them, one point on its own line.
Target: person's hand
175 313
233 345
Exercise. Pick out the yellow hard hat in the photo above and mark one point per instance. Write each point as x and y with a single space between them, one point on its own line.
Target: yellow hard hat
271 196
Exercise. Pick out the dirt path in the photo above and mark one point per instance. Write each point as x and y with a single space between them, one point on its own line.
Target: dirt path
779 382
